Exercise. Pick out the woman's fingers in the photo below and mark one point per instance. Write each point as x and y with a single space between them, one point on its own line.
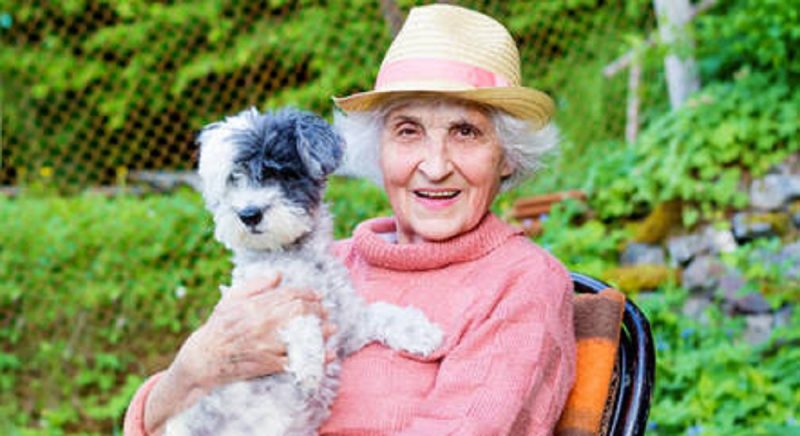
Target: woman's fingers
328 330
255 286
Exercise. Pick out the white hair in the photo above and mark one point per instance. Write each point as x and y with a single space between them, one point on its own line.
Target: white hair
524 145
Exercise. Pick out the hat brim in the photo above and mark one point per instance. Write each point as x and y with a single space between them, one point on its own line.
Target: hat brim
520 102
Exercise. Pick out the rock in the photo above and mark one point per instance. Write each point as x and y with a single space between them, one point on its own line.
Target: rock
703 274
747 226
752 303
719 241
791 260
787 260
167 181
773 191
658 223
793 209
759 328
635 278
731 284
682 249
695 307
642 254
783 316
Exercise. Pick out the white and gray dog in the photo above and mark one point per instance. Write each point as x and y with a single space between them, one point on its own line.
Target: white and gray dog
263 177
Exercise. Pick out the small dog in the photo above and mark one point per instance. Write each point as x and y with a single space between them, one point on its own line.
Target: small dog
263 177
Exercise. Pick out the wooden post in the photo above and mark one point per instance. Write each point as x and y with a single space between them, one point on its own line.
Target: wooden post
632 113
392 15
682 77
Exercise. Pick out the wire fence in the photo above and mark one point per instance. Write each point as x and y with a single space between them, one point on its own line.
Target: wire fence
96 90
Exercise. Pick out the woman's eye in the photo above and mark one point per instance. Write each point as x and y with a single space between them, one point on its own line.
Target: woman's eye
407 130
466 131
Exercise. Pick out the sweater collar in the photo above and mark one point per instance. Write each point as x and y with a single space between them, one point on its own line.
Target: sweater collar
377 251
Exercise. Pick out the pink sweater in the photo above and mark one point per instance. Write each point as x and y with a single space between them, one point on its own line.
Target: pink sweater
507 363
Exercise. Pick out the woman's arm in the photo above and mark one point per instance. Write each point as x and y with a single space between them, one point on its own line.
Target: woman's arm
512 372
238 341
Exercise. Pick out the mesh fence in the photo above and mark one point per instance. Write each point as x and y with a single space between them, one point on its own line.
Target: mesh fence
94 90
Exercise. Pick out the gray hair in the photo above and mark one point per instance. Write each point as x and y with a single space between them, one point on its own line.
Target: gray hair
524 145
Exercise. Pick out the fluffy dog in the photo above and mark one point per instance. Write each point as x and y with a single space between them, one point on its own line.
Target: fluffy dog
263 177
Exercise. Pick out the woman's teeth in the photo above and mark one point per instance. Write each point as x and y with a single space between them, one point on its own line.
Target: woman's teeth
437 194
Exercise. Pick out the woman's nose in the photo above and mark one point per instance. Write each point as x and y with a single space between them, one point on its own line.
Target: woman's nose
436 163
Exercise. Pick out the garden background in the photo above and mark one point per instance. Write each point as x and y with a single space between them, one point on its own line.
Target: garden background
102 275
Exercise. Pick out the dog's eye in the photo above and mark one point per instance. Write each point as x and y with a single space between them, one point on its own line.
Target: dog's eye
235 177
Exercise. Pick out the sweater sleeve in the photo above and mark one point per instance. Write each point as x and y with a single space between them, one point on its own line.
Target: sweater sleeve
134 416
512 372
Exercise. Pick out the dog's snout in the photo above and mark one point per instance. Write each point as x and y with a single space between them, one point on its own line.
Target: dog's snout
250 215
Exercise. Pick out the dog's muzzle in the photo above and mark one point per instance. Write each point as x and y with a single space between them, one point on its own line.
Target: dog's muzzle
250 216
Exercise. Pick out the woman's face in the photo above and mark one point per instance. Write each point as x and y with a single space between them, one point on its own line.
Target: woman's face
442 165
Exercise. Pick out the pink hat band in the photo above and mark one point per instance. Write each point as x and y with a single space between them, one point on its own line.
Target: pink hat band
437 70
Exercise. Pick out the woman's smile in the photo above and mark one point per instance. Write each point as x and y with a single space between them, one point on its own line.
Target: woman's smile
435 199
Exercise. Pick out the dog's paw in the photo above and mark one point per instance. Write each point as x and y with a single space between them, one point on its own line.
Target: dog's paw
306 351
417 335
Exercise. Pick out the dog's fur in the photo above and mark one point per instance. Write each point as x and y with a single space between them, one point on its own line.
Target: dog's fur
263 179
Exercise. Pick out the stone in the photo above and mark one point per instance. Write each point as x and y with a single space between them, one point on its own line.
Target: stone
695 307
642 254
793 209
719 240
658 223
773 191
747 225
683 249
783 316
635 278
703 274
759 328
731 284
787 260
752 303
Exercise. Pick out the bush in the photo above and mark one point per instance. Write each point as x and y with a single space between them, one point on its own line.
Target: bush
709 381
97 293
699 154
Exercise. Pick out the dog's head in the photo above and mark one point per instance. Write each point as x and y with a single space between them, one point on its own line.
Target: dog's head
264 175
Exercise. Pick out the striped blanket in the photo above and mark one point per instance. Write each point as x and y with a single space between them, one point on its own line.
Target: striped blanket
597 326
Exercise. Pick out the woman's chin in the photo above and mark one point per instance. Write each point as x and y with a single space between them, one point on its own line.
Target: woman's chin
433 229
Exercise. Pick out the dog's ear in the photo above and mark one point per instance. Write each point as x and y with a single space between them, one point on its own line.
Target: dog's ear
318 145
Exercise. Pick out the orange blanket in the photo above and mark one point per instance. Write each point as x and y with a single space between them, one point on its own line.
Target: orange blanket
597 326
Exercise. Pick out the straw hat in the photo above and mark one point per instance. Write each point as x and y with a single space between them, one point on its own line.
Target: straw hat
451 50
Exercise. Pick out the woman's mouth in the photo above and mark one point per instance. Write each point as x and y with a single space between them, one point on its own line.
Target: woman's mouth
437 198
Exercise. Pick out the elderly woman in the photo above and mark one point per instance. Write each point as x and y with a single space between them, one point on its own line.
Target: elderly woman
446 128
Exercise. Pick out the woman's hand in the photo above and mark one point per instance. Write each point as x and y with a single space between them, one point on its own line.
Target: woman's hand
240 340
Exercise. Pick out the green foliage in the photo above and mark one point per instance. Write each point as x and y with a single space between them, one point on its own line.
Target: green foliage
757 261
93 294
590 248
710 382
700 153
353 201
97 293
762 35
94 86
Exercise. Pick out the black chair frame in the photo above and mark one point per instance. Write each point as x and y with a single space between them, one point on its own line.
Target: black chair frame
636 363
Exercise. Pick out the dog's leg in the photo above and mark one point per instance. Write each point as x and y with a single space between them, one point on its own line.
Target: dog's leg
401 328
305 348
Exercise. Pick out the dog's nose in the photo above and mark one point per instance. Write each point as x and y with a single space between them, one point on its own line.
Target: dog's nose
250 215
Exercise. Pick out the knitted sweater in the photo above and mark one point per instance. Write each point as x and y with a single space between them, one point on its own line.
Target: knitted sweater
508 358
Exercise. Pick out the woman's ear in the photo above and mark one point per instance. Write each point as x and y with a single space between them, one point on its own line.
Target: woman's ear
506 170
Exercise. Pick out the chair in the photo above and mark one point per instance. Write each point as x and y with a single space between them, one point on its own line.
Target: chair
629 403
